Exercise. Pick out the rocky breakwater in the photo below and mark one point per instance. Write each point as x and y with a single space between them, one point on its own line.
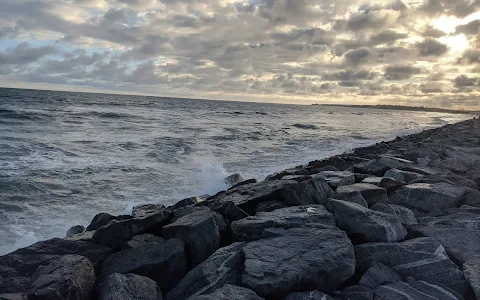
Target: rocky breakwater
396 220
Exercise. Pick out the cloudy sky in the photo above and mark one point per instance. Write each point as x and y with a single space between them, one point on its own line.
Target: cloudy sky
298 51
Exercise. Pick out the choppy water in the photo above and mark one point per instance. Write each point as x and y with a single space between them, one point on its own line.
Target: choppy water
66 156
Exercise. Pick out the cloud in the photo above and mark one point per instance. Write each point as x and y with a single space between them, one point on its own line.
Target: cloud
400 72
357 56
431 47
388 36
465 81
470 56
472 28
24 54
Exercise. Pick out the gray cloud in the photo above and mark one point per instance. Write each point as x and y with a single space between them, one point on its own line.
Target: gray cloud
465 81
472 28
431 47
358 56
24 54
400 72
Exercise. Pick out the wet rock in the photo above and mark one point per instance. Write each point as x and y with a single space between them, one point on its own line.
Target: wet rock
337 178
359 177
69 277
267 206
474 175
390 184
117 232
15 296
421 258
349 196
229 210
375 180
420 290
144 210
233 179
316 259
366 224
185 202
377 275
299 170
471 271
312 295
129 287
400 175
404 214
225 266
143 239
380 165
456 218
248 181
251 228
371 193
356 292
77 229
100 220
229 292
85 236
164 263
199 232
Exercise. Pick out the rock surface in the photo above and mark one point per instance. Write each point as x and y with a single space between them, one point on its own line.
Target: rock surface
143 239
100 220
229 292
371 193
129 287
337 178
420 290
404 214
312 295
378 274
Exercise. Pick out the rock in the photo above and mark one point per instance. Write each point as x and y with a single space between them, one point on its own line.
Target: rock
100 220
337 178
85 236
185 202
247 197
377 275
375 180
69 277
248 181
349 196
474 175
129 287
371 193
400 175
229 292
472 209
448 178
420 258
116 233
77 229
471 271
225 266
143 239
297 178
199 232
267 206
233 179
165 263
15 296
366 224
380 165
251 228
299 170
404 214
390 184
229 210
456 218
420 290
144 210
356 292
298 259
312 295
428 199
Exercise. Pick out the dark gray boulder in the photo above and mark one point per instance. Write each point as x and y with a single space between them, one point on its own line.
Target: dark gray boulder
312 295
185 202
77 229
14 296
251 228
470 208
298 259
366 224
117 232
380 165
400 175
144 210
143 239
421 258
228 210
337 178
129 287
418 290
404 214
356 292
387 183
267 206
69 277
229 292
371 193
474 175
165 263
85 236
456 218
233 179
199 232
349 196
379 274
471 271
100 220
375 180
225 266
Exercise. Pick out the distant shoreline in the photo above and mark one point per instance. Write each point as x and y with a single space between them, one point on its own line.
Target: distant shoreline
403 107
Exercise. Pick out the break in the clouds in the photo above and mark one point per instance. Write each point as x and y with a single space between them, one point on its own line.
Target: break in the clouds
351 51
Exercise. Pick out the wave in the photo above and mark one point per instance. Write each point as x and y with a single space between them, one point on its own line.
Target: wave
305 126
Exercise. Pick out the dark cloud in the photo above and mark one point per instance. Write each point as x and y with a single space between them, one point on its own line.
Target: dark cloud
24 54
400 72
470 56
431 47
458 8
429 88
465 81
350 75
387 36
371 19
357 56
433 33
472 28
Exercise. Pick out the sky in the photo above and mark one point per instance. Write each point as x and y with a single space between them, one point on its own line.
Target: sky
421 53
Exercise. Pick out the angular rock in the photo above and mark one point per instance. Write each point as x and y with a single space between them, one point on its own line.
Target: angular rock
233 179
349 196
199 232
100 220
185 202
298 259
380 165
390 184
229 210
225 266
229 292
356 292
251 228
144 210
371 193
404 214
165 263
117 232
420 290
456 218
420 258
129 287
471 271
143 239
378 274
77 229
312 295
474 175
267 206
400 175
68 277
366 224
472 209
375 180
337 178
15 296
85 236
248 181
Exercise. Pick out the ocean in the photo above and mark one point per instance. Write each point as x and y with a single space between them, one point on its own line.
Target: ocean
65 157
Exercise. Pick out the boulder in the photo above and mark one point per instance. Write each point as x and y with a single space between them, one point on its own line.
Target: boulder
470 208
337 178
144 210
77 229
86 236
185 202
251 228
225 266
248 181
165 263
349 196
380 165
428 199
474 175
15 296
447 178
371 193
404 214
420 258
229 292
366 224
233 179
228 210
129 287
117 232
267 206
387 183
471 271
100 220
375 180
143 239
69 277
420 290
400 175
456 218
312 295
298 259
377 275
356 292
199 232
